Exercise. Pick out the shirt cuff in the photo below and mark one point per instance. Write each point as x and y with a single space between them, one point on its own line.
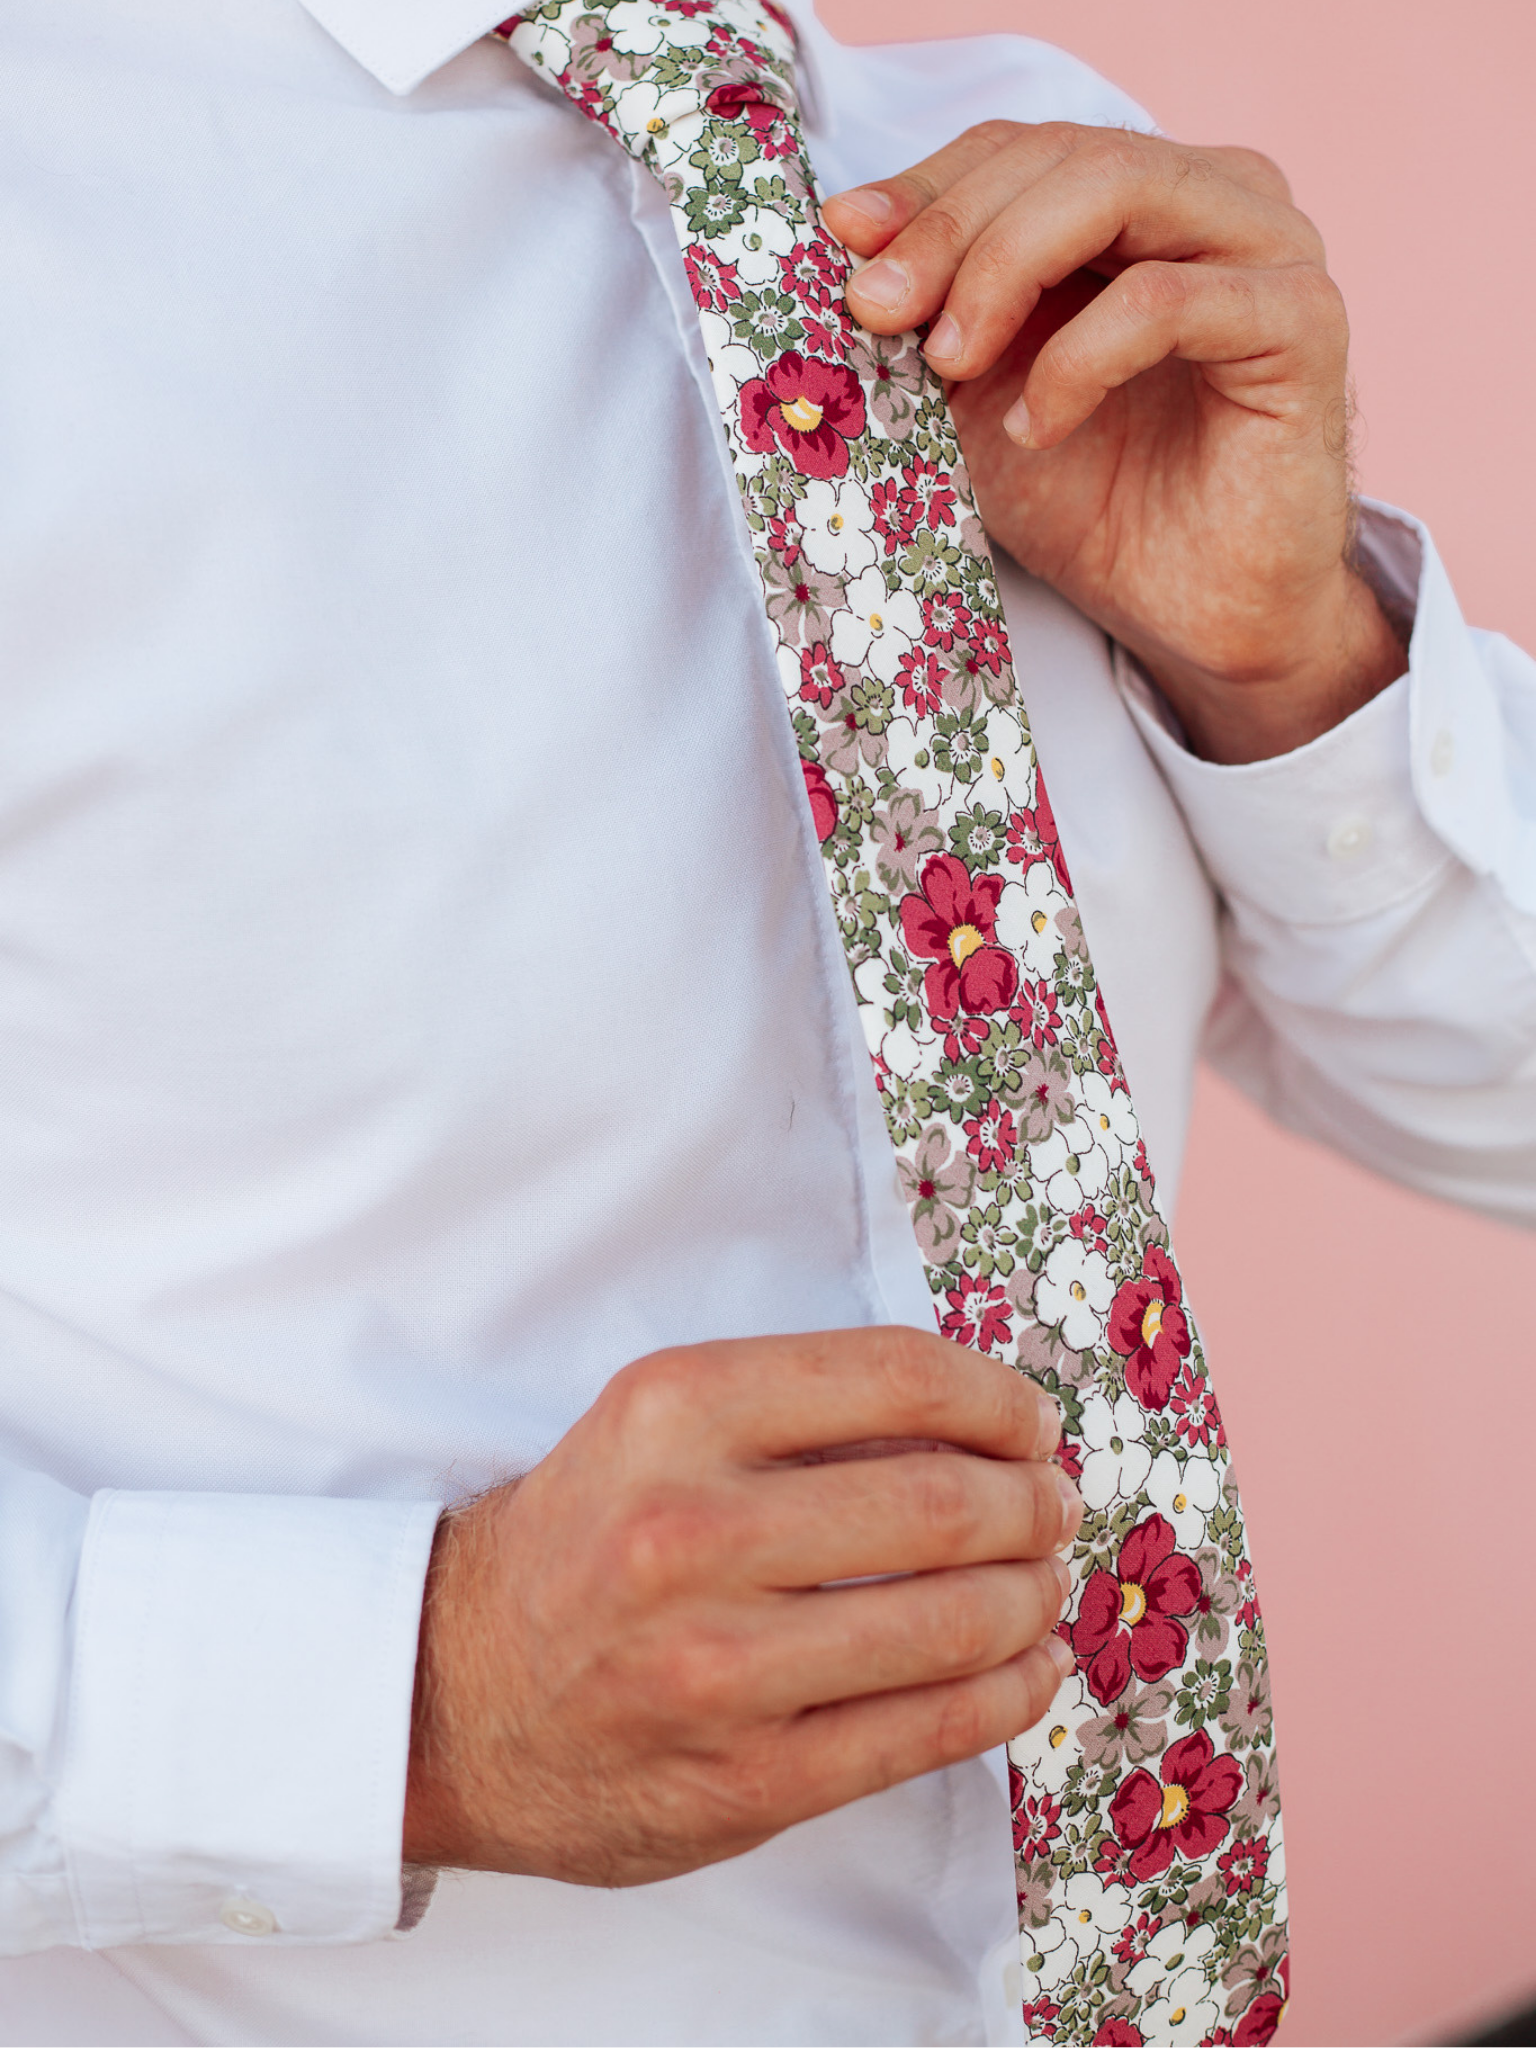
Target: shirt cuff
1365 815
239 1717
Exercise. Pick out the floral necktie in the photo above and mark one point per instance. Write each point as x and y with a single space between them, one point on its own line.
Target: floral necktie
1146 1826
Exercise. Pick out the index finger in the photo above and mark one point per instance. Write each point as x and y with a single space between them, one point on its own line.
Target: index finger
780 1397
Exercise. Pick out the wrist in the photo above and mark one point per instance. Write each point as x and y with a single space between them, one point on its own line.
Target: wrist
1347 653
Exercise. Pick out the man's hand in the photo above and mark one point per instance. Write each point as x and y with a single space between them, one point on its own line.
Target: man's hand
636 1660
1147 362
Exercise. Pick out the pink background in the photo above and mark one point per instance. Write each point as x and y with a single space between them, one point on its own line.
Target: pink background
1384 1410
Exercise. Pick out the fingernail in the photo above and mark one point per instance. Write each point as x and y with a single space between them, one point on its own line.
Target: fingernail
883 284
1060 1655
869 200
1063 1578
1016 422
1071 1506
1050 1423
944 339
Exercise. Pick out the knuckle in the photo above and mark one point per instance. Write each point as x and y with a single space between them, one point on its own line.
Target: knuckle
944 225
1254 168
1154 291
651 1392
705 1675
942 1499
1113 155
961 1726
994 134
659 1543
918 1375
967 1623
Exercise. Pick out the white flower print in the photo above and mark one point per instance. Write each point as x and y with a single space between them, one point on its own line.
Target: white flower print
1171 1953
1073 1292
1108 1113
1187 2012
1051 1758
1184 1495
835 527
1093 1911
1116 1461
1026 918
877 629
1072 1166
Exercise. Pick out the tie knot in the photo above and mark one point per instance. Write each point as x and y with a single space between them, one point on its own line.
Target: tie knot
702 91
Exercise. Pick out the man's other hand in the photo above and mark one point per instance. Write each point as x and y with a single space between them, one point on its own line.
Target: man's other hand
1147 362
646 1656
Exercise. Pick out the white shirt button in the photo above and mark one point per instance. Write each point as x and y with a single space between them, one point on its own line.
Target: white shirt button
248 1916
1349 837
1442 755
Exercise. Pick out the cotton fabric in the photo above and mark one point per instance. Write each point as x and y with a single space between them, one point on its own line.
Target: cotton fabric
325 1192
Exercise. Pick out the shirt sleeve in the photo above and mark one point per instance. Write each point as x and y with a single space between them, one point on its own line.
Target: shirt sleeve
204 1714
1378 892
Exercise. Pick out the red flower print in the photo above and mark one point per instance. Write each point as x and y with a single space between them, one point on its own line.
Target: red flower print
946 619
808 408
784 539
965 1036
991 651
1127 1618
1184 1814
823 800
979 1314
953 923
1133 1944
1038 1012
741 99
712 279
1257 2025
922 682
1036 1824
810 274
993 1138
1149 1329
927 494
1069 1458
1033 833
1244 1865
821 678
1040 2017
1194 1410
895 518
1140 1165
1118 2034
1090 1227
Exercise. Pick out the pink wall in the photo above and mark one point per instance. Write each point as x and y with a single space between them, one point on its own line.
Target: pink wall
1397 1446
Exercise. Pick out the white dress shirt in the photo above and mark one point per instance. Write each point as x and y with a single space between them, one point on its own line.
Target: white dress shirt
419 996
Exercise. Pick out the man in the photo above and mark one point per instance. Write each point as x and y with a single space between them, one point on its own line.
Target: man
434 1062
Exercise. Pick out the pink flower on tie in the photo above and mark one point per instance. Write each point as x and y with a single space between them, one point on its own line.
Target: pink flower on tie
979 1313
1148 1327
714 282
1184 1814
1130 1618
953 923
810 409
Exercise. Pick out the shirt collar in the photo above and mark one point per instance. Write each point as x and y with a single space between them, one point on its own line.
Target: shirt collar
404 41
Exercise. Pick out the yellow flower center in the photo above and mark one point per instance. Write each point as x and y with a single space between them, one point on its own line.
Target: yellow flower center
876 623
1175 1806
964 940
1176 2019
1078 1291
803 415
1038 920
1103 1121
997 769
836 522
1133 1603
1152 1321
1058 1735
1084 1915
1180 1503
655 125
